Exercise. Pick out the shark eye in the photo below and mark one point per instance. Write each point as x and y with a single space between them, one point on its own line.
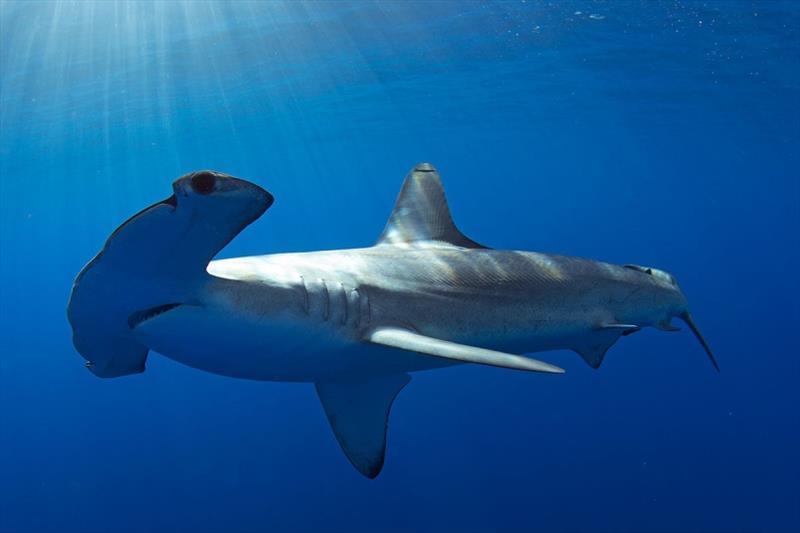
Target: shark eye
203 182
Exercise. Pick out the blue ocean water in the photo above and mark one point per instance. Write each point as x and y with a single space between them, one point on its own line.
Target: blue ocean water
657 133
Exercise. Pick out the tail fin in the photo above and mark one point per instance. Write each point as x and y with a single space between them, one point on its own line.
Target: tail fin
686 317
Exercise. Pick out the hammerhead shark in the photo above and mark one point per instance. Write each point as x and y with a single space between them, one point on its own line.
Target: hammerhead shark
354 322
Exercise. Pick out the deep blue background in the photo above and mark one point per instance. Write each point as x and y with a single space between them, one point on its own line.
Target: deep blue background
658 133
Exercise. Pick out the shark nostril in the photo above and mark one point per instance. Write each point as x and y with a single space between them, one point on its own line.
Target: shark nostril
203 182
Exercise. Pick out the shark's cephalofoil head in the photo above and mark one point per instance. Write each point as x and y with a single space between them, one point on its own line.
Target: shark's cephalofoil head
671 302
220 195
151 264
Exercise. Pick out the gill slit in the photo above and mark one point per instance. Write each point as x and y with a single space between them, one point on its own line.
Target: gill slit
306 304
355 300
344 303
327 311
369 308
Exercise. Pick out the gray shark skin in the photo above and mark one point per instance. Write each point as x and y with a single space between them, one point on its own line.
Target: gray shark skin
353 322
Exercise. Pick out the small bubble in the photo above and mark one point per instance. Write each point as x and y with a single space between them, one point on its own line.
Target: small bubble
578 13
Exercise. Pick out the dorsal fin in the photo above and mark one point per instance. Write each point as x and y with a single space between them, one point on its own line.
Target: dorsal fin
421 213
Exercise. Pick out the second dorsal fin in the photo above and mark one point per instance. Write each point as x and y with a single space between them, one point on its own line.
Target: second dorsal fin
421 213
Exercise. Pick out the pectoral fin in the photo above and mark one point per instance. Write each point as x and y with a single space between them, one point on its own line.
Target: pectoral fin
359 416
404 339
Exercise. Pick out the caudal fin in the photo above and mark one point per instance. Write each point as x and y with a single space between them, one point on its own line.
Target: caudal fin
686 317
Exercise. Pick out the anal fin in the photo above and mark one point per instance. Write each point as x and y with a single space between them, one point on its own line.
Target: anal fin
601 339
358 413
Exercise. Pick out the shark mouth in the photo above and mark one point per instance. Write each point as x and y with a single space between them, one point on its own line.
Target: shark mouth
144 315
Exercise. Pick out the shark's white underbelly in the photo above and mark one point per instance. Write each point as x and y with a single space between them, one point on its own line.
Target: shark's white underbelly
288 349
278 349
